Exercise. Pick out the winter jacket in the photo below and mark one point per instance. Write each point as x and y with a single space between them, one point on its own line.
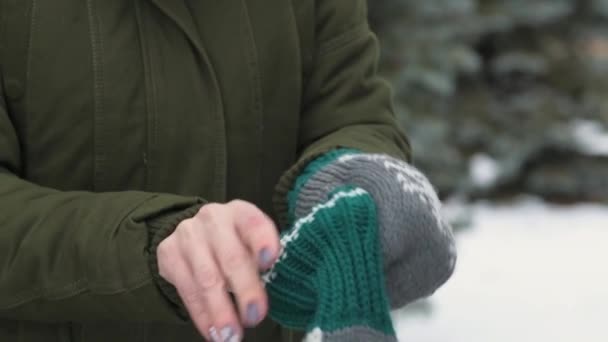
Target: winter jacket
117 118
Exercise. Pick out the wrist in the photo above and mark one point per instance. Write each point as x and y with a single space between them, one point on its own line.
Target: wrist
159 229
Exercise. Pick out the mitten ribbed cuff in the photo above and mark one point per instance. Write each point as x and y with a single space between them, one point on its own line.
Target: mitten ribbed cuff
330 275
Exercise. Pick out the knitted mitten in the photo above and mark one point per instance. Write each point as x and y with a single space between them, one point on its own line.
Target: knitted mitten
367 236
328 279
417 246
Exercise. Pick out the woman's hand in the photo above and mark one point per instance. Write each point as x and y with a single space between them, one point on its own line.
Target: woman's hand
223 247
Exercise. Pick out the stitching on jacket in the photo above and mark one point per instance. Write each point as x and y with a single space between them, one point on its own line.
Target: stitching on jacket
3 36
29 295
99 157
149 93
254 74
28 67
3 49
72 289
221 145
30 40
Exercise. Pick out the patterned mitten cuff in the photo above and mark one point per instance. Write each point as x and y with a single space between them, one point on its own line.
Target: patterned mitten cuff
418 248
329 278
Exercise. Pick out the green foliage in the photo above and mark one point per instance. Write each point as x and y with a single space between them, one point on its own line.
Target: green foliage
507 79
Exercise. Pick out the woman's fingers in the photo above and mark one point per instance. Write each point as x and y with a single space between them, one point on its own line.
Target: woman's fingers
174 266
240 269
257 231
195 304
224 245
215 222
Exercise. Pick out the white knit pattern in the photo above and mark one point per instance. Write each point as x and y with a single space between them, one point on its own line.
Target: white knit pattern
315 335
411 181
294 233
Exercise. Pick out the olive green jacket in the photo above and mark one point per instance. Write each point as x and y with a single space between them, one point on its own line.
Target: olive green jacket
118 117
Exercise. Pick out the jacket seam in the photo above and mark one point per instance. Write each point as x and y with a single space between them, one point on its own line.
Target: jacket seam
221 145
2 52
149 94
39 293
216 107
27 74
255 77
30 41
98 156
3 48
75 288
2 43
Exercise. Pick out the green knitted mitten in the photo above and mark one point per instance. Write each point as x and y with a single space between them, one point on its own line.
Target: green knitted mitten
366 236
417 245
329 279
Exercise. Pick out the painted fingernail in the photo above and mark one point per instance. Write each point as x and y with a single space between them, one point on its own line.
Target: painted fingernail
265 257
228 333
253 314
215 337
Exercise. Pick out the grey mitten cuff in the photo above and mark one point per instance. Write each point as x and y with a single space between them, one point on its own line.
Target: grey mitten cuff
417 244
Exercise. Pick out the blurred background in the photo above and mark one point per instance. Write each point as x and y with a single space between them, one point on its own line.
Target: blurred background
506 106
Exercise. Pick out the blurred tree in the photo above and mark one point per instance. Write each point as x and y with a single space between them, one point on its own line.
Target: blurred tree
512 81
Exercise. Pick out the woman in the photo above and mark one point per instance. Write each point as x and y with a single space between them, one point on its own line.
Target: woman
127 131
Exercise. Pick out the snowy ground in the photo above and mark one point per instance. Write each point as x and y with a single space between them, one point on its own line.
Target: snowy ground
527 272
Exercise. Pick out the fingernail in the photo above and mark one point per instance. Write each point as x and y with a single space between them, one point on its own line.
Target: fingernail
228 334
253 314
265 257
215 337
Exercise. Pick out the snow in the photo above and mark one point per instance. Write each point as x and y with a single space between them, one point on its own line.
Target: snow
590 137
527 272
483 170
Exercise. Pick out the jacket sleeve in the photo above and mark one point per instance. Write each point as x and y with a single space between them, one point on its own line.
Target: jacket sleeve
346 103
77 256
